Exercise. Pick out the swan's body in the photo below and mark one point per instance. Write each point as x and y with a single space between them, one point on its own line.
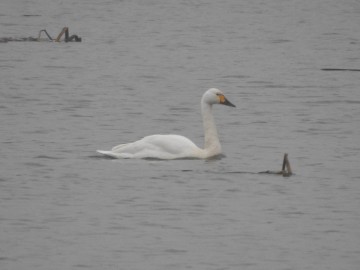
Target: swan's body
177 146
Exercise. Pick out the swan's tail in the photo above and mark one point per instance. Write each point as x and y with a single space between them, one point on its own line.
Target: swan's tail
107 153
114 154
119 147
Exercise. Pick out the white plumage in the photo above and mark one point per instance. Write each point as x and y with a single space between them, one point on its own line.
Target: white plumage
176 146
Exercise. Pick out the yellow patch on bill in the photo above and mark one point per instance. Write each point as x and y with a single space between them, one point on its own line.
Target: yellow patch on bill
221 98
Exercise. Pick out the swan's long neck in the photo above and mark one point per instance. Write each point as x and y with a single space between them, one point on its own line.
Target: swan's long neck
212 142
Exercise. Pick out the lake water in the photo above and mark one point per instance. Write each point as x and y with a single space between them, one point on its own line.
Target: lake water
141 69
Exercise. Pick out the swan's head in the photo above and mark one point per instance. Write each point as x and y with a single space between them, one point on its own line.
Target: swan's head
215 96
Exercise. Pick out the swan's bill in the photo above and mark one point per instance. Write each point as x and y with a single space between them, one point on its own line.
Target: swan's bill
224 101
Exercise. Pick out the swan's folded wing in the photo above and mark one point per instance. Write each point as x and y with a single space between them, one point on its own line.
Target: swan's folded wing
156 146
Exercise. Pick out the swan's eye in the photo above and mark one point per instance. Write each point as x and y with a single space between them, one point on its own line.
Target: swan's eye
221 98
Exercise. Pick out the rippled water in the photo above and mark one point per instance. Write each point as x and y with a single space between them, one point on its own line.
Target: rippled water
141 69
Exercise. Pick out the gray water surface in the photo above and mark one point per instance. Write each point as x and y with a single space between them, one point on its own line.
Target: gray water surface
141 69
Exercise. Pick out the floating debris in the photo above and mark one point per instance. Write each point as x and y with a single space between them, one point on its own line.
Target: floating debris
285 170
64 32
10 39
340 69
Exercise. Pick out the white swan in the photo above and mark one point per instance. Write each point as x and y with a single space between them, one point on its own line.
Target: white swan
176 146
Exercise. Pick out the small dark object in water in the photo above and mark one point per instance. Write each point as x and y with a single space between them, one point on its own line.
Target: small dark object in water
9 39
340 69
65 31
285 170
46 33
73 38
